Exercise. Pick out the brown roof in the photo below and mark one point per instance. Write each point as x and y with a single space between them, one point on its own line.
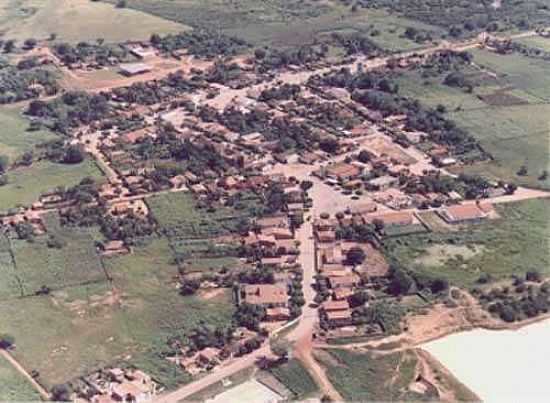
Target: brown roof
393 218
463 212
343 281
334 315
332 305
278 311
275 221
264 294
343 169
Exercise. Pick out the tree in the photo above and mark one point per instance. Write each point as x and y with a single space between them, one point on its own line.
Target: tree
363 156
355 256
280 348
73 155
306 185
30 43
401 283
121 4
9 46
4 162
522 171
543 176
61 393
6 340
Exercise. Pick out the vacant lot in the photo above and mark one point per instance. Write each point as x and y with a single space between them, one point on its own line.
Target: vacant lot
517 242
102 324
79 20
179 215
27 184
14 137
13 387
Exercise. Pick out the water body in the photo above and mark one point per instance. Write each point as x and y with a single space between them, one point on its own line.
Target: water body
500 366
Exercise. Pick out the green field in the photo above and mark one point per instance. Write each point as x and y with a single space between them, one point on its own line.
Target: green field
365 377
282 22
79 20
101 324
27 266
295 377
515 243
14 137
514 135
27 184
13 387
179 216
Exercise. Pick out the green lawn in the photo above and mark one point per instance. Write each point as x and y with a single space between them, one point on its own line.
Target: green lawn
79 20
94 327
514 244
13 387
27 184
14 137
295 377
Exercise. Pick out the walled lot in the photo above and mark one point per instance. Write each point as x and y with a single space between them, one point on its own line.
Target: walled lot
98 324
79 20
26 184
513 244
514 133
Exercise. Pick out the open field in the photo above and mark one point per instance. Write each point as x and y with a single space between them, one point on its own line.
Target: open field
14 137
27 184
517 242
34 264
100 324
79 20
511 124
178 215
13 386
282 22
362 376
295 377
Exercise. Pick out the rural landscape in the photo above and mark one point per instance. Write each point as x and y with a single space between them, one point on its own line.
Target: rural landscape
283 200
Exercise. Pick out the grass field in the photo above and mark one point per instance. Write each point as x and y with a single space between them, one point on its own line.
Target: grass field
13 387
79 20
517 242
177 214
516 134
100 324
28 266
14 137
281 22
27 184
364 377
295 377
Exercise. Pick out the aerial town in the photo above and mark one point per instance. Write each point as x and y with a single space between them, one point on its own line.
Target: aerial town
192 217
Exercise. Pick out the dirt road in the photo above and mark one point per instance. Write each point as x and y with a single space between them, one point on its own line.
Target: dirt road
19 368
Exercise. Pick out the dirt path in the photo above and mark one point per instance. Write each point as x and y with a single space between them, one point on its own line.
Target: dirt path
317 372
19 368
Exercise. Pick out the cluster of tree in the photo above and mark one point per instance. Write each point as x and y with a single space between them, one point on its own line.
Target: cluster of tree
70 110
98 53
205 336
296 294
152 92
25 82
444 62
268 59
222 73
418 35
356 43
468 17
387 315
200 43
505 47
360 80
280 93
404 283
520 301
249 316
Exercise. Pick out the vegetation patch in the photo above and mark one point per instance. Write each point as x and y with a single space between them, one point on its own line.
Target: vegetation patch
13 386
295 377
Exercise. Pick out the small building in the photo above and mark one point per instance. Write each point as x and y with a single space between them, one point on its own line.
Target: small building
384 182
348 281
277 314
462 213
393 218
134 69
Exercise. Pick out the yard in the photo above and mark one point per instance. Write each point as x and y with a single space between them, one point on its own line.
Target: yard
511 245
102 324
26 184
